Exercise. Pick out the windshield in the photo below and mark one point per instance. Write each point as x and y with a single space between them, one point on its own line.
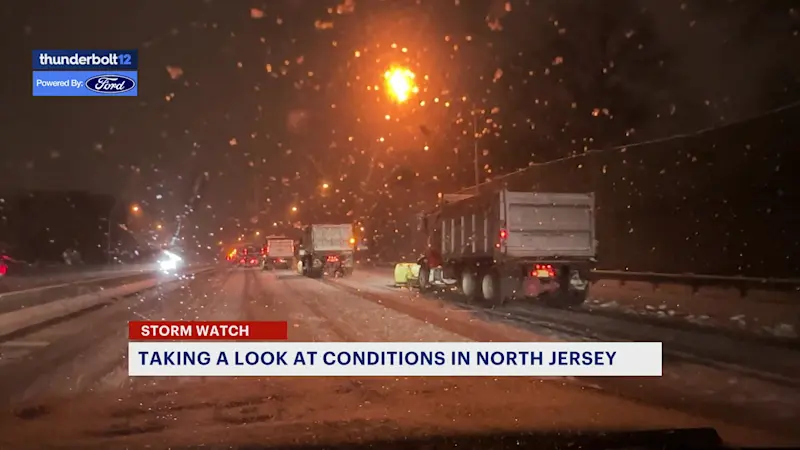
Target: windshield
500 217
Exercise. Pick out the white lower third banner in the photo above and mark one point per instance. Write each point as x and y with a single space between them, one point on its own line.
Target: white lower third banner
394 359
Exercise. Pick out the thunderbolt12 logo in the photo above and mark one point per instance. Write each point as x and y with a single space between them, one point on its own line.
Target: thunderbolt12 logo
110 84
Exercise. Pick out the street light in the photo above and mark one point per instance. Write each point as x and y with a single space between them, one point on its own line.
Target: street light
294 208
400 83
474 112
325 185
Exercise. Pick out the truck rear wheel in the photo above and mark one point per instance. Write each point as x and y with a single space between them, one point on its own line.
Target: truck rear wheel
491 289
469 285
308 267
317 269
424 278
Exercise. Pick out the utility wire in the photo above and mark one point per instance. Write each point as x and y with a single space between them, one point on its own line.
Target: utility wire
621 148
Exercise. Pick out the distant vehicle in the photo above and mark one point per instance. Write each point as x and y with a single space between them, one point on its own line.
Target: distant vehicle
277 254
327 249
5 262
503 244
3 265
248 257
170 261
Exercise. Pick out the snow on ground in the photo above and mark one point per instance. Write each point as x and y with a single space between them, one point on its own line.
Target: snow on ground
761 312
692 382
279 411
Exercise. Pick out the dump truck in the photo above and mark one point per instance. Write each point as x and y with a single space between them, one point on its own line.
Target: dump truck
500 244
277 253
327 249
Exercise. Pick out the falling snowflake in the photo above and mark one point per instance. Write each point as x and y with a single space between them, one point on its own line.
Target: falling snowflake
174 72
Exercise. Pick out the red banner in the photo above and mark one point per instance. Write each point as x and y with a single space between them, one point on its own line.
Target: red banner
207 331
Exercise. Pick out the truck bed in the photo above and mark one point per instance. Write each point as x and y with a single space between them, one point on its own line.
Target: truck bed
525 225
331 238
280 248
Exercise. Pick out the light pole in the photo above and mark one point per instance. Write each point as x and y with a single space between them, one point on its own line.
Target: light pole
108 235
134 208
475 146
401 86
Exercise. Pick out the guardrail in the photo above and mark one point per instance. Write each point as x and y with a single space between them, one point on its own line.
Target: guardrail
18 270
694 281
19 310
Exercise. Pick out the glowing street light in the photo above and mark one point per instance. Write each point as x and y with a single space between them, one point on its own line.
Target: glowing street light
400 84
135 208
294 208
325 185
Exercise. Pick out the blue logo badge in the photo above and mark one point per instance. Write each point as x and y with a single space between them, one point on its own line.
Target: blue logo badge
110 84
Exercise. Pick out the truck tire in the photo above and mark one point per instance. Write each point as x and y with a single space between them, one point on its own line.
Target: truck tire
469 284
491 288
424 278
316 270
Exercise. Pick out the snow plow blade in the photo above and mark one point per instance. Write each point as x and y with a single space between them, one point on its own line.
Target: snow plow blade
406 274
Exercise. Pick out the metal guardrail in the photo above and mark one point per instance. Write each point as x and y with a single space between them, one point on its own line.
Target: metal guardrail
21 270
696 281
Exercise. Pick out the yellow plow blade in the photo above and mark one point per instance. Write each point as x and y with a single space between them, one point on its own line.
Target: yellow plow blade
406 274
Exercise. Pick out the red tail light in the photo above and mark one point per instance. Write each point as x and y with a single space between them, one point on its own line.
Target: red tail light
253 261
333 258
543 270
503 234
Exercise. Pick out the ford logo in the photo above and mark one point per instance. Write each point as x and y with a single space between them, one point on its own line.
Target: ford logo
110 84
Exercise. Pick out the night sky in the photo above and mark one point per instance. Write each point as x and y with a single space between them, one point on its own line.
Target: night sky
274 99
